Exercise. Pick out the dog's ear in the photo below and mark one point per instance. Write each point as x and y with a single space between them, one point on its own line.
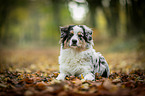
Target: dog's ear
87 33
63 31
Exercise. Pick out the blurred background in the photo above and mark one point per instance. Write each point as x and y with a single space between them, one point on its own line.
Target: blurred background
29 32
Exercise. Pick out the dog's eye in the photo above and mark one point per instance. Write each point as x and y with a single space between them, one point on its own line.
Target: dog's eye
62 33
79 34
91 33
71 32
86 34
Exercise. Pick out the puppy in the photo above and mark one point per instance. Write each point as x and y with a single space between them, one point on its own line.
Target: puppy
77 55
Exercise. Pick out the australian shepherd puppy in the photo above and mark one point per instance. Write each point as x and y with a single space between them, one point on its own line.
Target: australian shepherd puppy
77 55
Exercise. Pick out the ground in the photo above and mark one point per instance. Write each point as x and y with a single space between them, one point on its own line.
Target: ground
32 72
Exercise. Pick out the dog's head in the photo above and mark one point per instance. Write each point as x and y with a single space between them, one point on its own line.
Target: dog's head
76 36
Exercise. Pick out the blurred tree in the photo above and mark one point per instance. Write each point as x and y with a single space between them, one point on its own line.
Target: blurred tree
112 17
39 20
135 10
56 11
6 6
93 4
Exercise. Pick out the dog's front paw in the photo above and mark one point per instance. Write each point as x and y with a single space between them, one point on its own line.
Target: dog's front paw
89 77
61 76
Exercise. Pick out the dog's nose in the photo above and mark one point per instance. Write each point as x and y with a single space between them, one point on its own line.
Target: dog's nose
74 41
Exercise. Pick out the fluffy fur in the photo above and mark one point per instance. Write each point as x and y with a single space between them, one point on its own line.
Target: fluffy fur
77 55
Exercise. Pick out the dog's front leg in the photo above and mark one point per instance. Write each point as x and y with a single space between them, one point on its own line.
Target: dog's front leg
89 76
61 76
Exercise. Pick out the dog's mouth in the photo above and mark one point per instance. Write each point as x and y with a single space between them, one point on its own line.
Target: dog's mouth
74 45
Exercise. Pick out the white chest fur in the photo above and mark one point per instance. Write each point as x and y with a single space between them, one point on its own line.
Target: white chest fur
73 62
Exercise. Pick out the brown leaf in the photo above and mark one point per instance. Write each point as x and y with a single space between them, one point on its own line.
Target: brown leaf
28 93
2 85
115 81
109 85
41 85
77 82
29 80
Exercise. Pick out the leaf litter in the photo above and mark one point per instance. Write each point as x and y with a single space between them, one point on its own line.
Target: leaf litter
37 79
36 84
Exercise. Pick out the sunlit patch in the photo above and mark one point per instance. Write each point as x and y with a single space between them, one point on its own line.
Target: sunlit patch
78 11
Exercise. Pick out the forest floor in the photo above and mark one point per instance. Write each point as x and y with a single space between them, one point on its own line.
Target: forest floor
32 72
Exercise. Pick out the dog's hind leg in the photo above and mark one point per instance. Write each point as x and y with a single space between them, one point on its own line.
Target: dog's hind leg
101 66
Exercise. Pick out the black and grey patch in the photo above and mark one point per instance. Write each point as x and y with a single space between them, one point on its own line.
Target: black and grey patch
70 34
85 38
100 65
65 33
105 74
87 33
